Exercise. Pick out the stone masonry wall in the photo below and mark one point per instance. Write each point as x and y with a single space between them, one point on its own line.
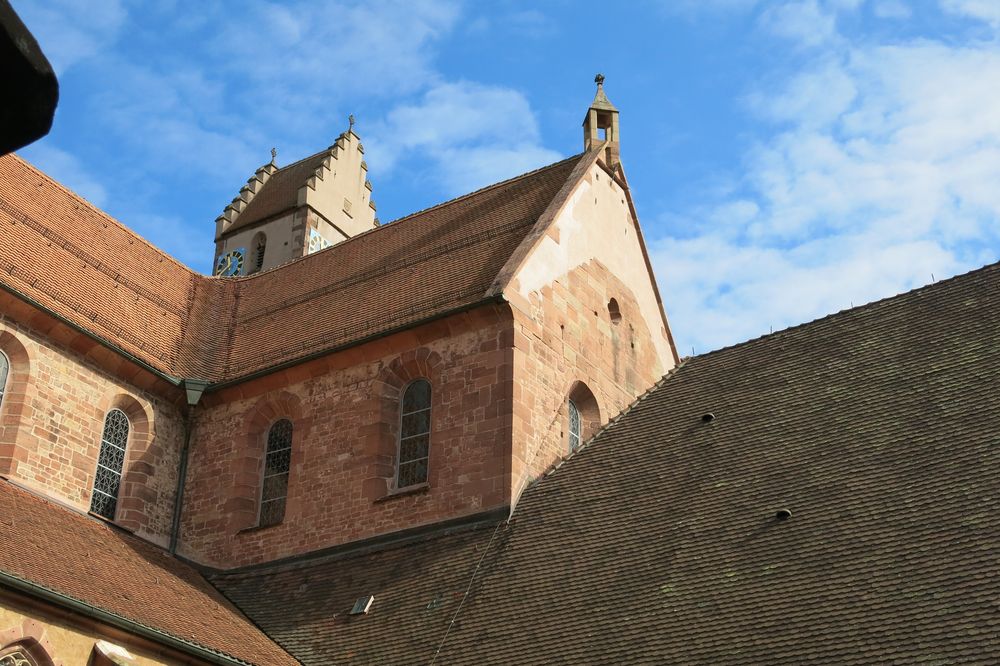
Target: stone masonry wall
566 345
344 408
51 420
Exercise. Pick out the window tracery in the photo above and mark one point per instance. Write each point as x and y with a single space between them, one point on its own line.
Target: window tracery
110 461
18 658
574 427
414 434
277 462
4 370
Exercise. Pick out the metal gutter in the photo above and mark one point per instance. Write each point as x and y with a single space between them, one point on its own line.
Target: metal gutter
117 621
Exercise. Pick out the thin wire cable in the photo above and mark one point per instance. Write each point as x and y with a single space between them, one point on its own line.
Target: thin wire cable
466 595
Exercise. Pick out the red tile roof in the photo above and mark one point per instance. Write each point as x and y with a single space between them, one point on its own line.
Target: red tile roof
91 562
79 263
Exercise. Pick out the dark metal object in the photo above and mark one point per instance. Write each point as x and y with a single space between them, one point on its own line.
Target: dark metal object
27 84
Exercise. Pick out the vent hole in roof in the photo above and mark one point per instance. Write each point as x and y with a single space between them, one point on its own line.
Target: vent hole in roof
708 417
783 514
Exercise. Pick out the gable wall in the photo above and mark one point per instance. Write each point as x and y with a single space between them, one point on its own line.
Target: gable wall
563 330
344 408
284 241
52 417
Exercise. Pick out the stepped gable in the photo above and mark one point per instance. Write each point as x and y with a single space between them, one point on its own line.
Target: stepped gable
659 541
56 549
278 192
420 266
72 259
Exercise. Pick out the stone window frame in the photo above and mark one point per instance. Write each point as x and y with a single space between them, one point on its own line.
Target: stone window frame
125 448
29 649
400 437
264 476
137 500
14 399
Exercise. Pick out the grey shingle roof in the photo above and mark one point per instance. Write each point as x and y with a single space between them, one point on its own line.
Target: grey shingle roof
878 428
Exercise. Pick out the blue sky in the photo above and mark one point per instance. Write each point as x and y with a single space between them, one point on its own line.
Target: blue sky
788 158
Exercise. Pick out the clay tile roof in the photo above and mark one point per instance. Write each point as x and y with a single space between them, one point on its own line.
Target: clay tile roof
123 575
71 258
280 192
428 263
658 541
75 261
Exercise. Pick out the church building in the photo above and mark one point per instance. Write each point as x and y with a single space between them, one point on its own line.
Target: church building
466 437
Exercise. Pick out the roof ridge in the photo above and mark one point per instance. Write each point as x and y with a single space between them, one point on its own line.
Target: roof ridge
366 233
103 214
839 313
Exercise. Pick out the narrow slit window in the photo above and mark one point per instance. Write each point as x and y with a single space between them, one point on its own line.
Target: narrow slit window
110 461
277 461
574 427
414 434
4 369
260 247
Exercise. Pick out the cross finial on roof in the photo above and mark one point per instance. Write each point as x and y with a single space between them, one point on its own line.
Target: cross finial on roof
274 155
350 122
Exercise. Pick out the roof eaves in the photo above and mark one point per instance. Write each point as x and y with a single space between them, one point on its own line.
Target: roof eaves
49 595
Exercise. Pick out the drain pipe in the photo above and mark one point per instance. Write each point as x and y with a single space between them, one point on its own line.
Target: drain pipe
194 388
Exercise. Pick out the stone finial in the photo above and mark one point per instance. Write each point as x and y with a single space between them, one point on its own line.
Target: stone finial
599 79
274 155
350 123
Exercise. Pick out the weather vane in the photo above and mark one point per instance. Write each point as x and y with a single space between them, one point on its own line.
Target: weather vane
350 122
274 155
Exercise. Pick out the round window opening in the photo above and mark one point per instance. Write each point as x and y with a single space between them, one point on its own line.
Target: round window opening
614 311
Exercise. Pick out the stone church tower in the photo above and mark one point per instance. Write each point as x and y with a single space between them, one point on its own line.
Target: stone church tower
285 213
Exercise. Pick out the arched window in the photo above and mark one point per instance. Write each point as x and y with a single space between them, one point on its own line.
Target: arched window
414 434
16 658
277 461
258 248
575 428
4 369
109 464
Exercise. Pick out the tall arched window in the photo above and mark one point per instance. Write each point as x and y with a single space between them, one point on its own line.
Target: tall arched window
4 370
258 248
575 428
109 464
414 434
277 461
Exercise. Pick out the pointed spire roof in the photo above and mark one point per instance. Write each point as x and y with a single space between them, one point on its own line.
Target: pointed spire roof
601 100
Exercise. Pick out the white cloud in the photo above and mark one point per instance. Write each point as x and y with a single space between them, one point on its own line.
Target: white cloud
891 9
806 23
984 10
474 134
66 169
69 31
864 191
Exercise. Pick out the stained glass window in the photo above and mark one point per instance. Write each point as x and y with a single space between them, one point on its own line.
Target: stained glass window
17 658
414 434
109 464
4 368
277 461
574 427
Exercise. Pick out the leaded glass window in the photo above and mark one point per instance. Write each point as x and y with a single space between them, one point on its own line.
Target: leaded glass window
414 434
277 461
4 369
18 658
574 427
109 464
